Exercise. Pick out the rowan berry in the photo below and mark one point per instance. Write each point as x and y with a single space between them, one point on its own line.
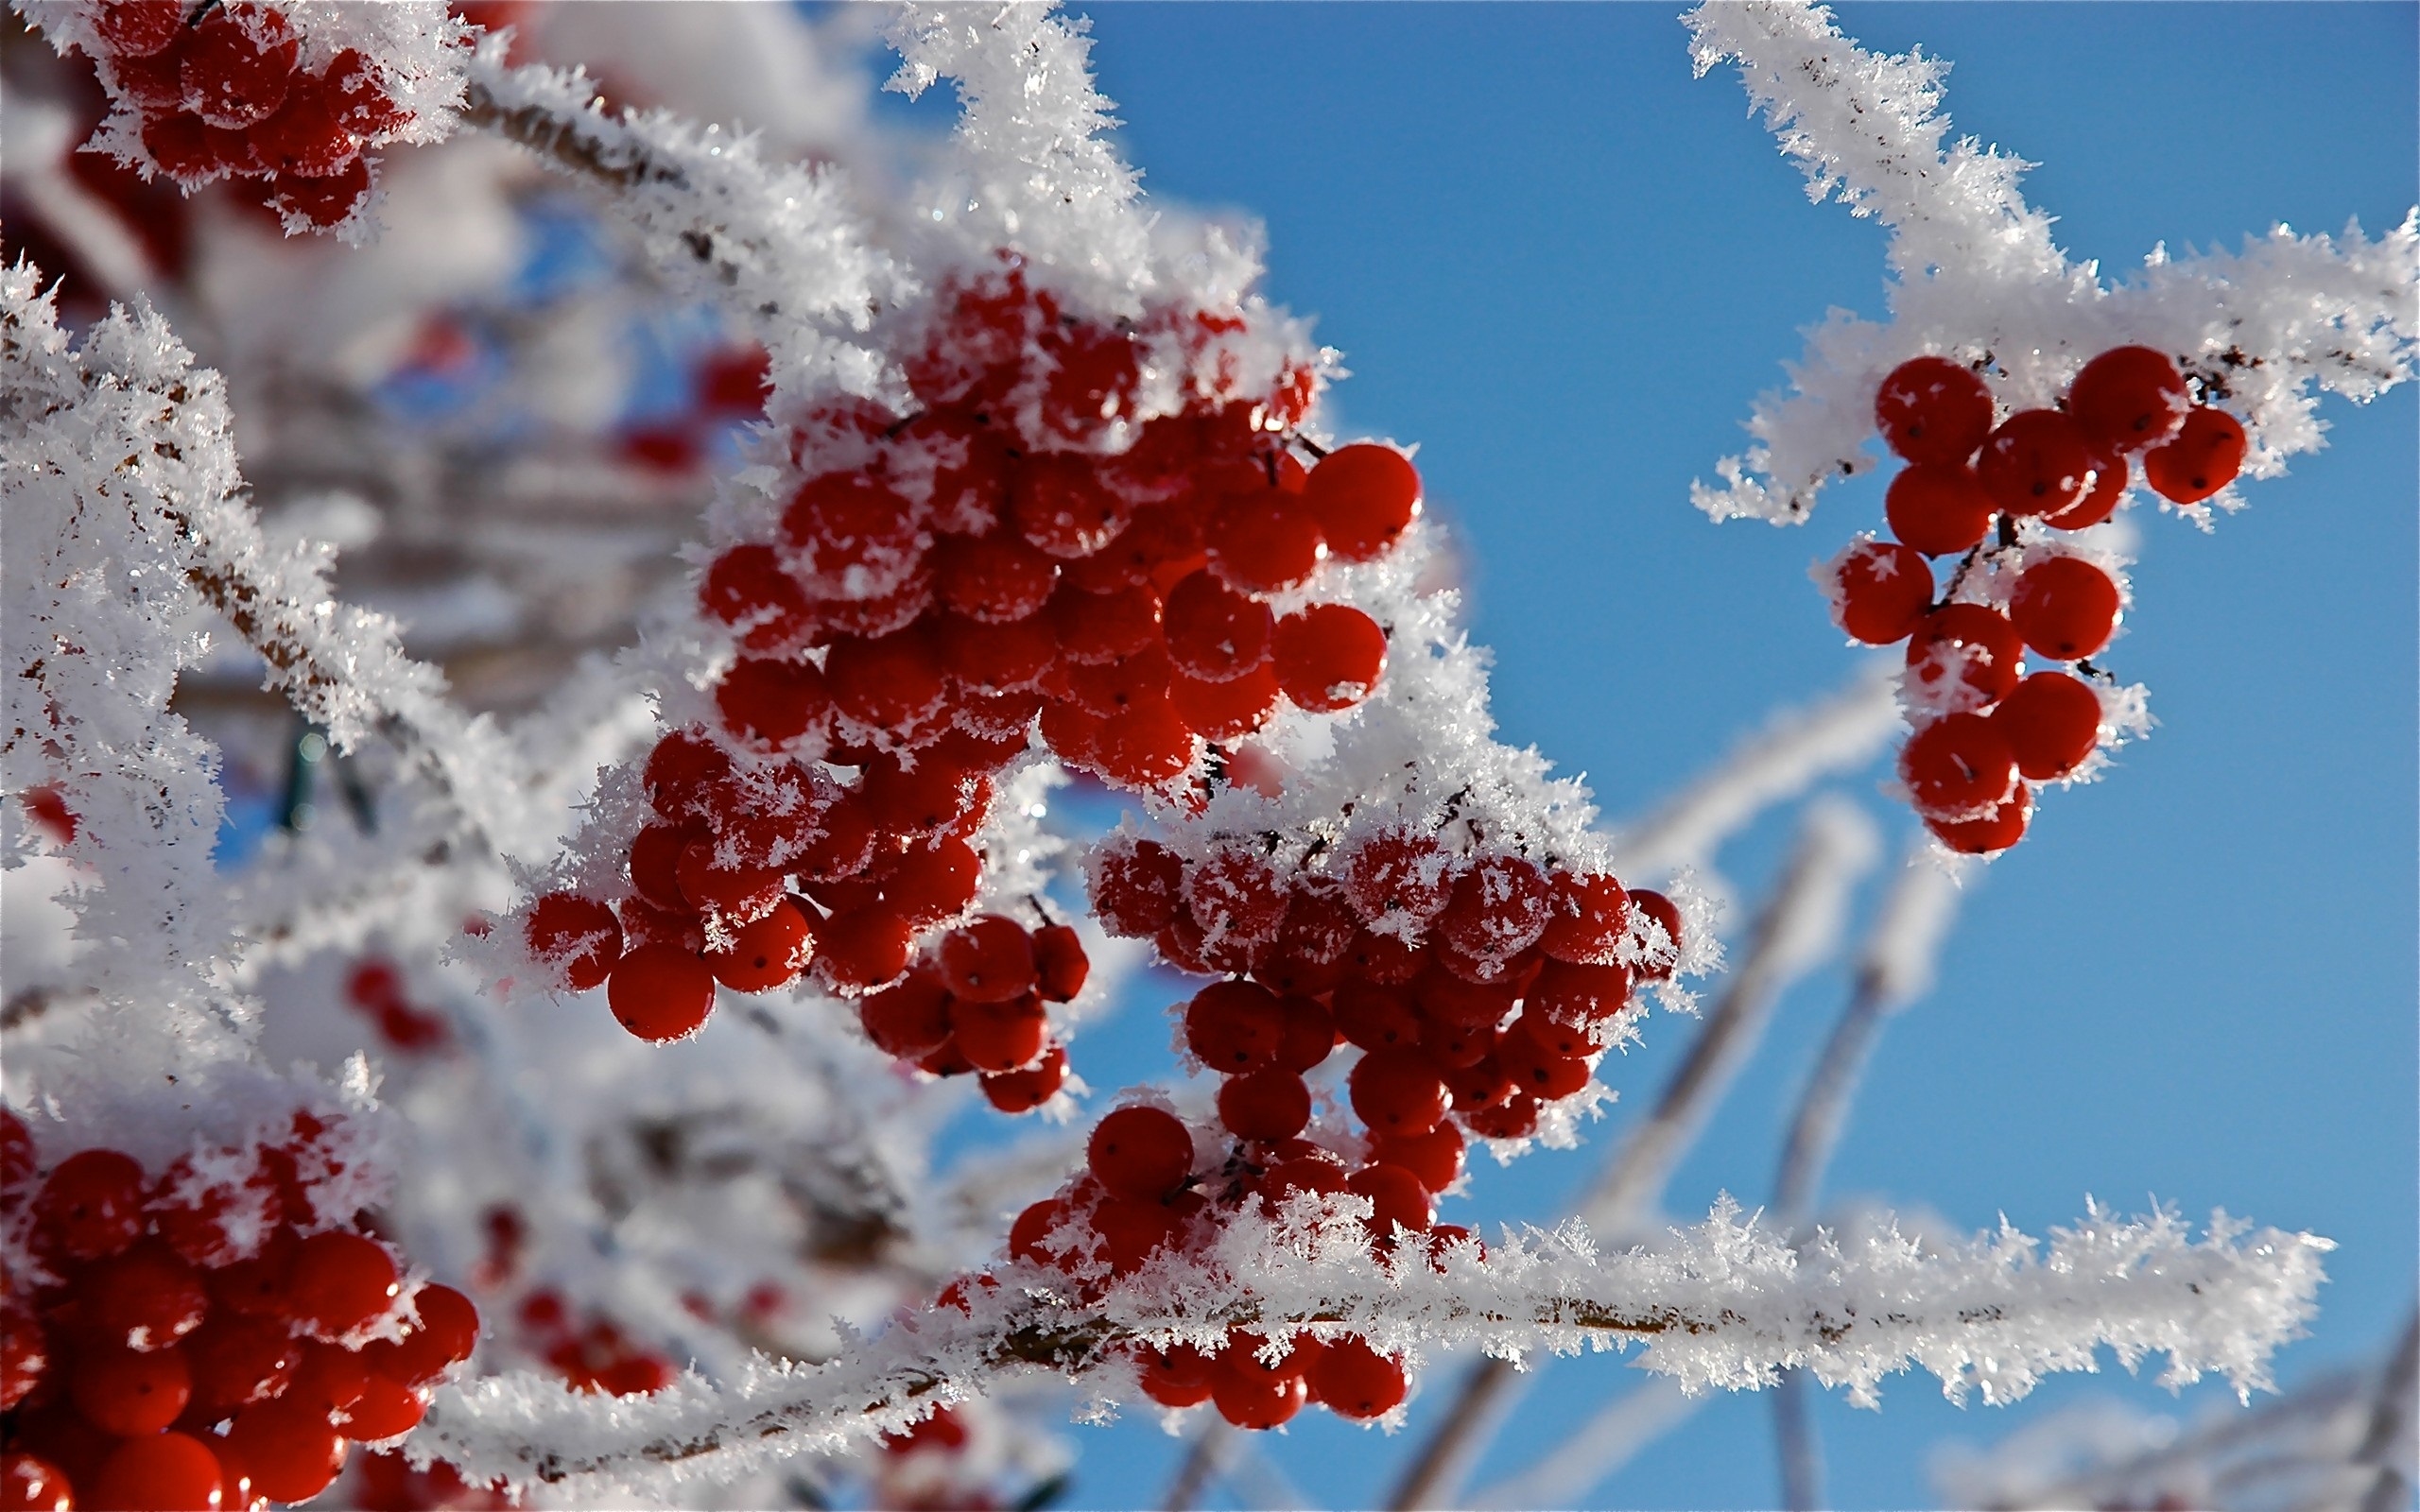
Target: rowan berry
442 1331
893 683
853 536
1435 1158
1328 657
1234 1026
2037 462
303 139
158 1470
2051 723
1994 831
1964 656
143 1299
1029 1234
340 1282
1397 1093
2064 607
1270 1104
2109 476
875 615
1317 1172
2204 458
1384 960
736 894
767 954
932 881
987 959
1178 1376
577 938
1134 885
1058 506
773 701
1309 1036
1257 1402
1023 1091
1580 994
1400 877
1882 590
993 579
748 589
1145 746
1589 918
1140 1152
1263 541
845 845
660 993
1958 767
995 1037
2129 398
1938 509
1060 964
291 1452
1352 1379
1374 1018
687 775
1131 1230
31 1483
1213 632
385 1409
862 949
127 1392
1536 1067
328 1380
1396 1197
91 1206
1097 627
1364 497
1235 895
909 1019
231 79
1232 710
255 1286
1930 409
324 202
139 29
1498 908
25 1355
1515 1118
1661 945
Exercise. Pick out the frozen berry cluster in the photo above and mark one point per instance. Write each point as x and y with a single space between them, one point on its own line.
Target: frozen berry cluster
1479 984
207 1334
1084 533
2005 493
596 1356
976 1002
230 91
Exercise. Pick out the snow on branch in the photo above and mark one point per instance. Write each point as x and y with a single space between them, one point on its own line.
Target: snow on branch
1975 275
1724 1303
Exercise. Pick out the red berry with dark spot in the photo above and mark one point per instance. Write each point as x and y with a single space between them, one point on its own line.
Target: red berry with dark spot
1352 1379
2051 722
91 1206
908 1020
2038 462
1938 508
577 938
1958 767
1060 963
1140 1152
767 954
988 961
1234 1026
2064 607
2129 398
230 80
1498 908
1397 1093
1022 1092
749 589
340 1282
773 701
1883 590
1966 655
1134 887
862 949
1995 831
993 579
2204 458
1270 1103
158 1470
1930 409
1364 497
1328 657
660 993
1264 542
1215 633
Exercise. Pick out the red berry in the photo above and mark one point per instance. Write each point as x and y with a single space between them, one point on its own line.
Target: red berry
126 1392
1178 1376
29 1484
327 202
1435 1158
145 1298
1536 1067
1145 747
2204 458
1374 1018
442 1331
2100 502
1140 1152
304 139
1131 1230
1590 919
1958 767
1234 1026
230 80
862 949
139 29
1236 896
1882 590
908 1020
289 1449
1364 497
1328 657
385 1409
1256 1398
1938 508
1575 993
237 1361
1399 877
749 589
1964 656
1059 505
255 1287
1352 1379
2037 462
2064 607
1517 1118
1397 1093
853 536
1264 542
1000 1036
767 954
1022 1092
157 1472
1396 1197
340 1282
1232 710
687 775
987 959
1134 885
893 683
2129 398
1498 908
1931 409
1032 1227
91 1206
660 993
932 881
328 1379
1264 1105
1098 628
2051 723
1661 945
579 938
1995 831
1060 963
773 701
735 894
1213 633
25 1355
994 578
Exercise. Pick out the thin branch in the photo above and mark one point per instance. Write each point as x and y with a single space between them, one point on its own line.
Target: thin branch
2391 1426
1200 1465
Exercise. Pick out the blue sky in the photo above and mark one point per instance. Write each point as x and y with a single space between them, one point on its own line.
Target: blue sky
1565 268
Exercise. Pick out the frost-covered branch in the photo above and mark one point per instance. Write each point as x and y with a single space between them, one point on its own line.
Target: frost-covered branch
1725 1303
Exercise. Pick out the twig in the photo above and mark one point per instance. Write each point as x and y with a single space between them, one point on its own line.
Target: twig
1200 1465
2390 1422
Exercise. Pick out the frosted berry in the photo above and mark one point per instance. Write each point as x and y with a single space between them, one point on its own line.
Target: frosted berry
1435 1158
853 536
1994 831
988 961
1660 948
2129 398
1958 767
1235 895
303 139
1940 508
1589 920
30 1484
91 1206
1364 497
2037 462
577 938
748 589
1264 1105
1178 1376
932 882
1094 627
773 701
767 955
139 29
1328 657
158 1470
1252 1396
2204 458
1397 1093
340 1282
1060 507
2064 607
993 578
1145 746
860 948
996 1036
1884 589
144 1298
290 1450
1215 633
1232 710
1498 908
1140 1152
1966 655
324 202
1264 542
444 1329
908 1020
737 894
1396 1197
2051 722
1352 1379
1930 409
2109 476
1023 1091
687 775
894 682
230 80
660 993
1234 1026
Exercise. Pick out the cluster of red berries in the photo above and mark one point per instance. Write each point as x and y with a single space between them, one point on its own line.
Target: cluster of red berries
206 1336
595 1357
974 1003
1985 731
980 569
222 92
375 987
1482 987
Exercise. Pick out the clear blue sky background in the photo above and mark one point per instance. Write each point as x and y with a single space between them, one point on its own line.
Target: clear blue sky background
1564 268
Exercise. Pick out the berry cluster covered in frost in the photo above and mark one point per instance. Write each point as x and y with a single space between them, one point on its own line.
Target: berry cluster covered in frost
2008 499
215 1332
290 99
